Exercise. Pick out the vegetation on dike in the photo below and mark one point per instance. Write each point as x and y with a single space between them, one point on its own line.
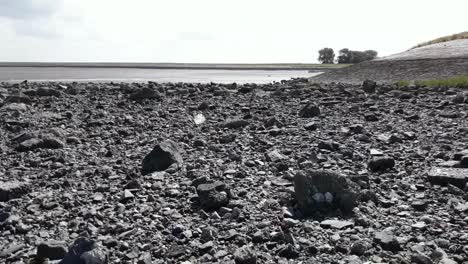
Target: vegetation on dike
462 35
345 56
452 82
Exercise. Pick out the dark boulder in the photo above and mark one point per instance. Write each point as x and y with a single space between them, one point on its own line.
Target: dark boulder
387 241
85 251
17 98
309 110
444 176
245 255
52 250
12 190
162 157
144 93
318 190
236 123
40 143
45 91
368 86
381 164
212 196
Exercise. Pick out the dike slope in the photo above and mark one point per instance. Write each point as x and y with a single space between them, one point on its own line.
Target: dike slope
435 61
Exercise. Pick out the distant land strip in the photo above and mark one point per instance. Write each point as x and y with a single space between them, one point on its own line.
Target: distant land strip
188 66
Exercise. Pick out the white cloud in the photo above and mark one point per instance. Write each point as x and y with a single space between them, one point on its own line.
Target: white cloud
218 31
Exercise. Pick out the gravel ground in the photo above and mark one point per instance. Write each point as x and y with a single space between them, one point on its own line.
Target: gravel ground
208 173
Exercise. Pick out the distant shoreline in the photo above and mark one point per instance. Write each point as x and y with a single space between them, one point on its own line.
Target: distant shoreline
183 66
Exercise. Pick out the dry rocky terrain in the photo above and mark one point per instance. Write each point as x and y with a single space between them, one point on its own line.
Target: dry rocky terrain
287 172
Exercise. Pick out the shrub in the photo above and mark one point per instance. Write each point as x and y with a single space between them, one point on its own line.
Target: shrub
353 56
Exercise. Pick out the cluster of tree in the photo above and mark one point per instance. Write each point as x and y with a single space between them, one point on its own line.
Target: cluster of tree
327 55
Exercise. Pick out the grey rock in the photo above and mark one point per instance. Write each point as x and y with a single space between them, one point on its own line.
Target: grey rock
11 249
328 145
311 126
245 255
288 251
275 156
308 185
444 176
17 107
144 93
458 98
420 205
46 91
176 251
420 258
309 110
52 143
52 250
368 86
381 163
336 224
371 117
203 106
387 241
359 248
212 196
94 256
236 123
446 260
4 216
462 207
464 162
19 98
459 155
79 247
162 157
37 143
145 258
13 189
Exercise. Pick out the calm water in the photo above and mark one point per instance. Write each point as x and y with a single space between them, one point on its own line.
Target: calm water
13 74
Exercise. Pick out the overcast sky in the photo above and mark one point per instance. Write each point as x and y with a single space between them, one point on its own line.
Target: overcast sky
230 31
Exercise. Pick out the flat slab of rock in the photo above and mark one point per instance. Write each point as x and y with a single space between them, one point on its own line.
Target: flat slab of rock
444 176
336 224
12 190
44 143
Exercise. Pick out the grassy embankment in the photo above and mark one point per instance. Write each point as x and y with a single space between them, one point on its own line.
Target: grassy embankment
462 35
452 82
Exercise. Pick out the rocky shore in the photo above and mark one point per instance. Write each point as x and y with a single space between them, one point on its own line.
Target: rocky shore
289 172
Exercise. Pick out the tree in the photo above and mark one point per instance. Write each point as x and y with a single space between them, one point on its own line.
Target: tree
326 55
371 54
345 56
354 56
